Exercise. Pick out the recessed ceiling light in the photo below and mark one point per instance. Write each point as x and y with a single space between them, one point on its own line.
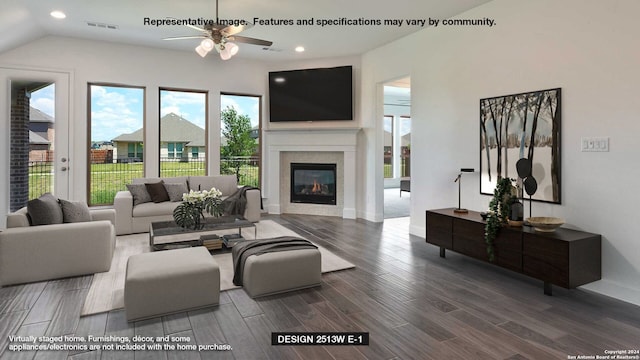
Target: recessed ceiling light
58 14
299 48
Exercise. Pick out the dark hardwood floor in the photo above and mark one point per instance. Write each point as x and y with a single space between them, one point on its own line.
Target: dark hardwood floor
414 304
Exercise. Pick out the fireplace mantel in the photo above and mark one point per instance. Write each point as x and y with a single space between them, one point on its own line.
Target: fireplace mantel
341 140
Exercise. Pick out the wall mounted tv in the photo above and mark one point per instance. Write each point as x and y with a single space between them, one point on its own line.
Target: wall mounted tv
311 95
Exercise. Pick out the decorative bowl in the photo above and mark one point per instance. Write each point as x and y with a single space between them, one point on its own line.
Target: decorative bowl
545 224
515 223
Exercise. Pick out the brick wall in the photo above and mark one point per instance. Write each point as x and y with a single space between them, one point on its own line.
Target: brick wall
99 156
19 163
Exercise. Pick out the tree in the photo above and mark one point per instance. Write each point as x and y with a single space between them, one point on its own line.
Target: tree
236 129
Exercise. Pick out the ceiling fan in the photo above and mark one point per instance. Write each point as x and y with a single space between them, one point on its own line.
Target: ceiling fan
219 36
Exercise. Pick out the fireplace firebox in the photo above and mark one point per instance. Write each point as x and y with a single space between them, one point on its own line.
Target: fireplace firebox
313 183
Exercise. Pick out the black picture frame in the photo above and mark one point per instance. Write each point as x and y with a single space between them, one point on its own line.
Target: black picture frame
524 125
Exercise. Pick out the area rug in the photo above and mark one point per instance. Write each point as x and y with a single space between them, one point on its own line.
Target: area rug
107 289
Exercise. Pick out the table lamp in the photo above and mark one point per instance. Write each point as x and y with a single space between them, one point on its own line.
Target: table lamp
458 179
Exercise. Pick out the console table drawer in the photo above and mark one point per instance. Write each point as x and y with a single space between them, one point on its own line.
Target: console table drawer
546 248
508 249
439 229
547 270
465 239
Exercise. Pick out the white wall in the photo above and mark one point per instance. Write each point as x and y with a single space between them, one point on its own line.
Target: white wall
589 49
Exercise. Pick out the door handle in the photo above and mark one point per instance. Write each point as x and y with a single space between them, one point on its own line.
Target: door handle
64 168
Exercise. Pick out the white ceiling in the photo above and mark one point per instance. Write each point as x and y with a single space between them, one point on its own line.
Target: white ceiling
398 92
22 21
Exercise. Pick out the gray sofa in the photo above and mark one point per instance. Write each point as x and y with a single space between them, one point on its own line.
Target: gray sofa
132 219
45 252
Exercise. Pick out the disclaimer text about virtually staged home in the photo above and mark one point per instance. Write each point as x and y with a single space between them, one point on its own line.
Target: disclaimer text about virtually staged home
322 22
172 343
141 343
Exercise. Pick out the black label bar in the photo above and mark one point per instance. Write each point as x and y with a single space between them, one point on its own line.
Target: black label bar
320 338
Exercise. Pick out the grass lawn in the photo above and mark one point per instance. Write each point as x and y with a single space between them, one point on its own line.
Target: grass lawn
107 179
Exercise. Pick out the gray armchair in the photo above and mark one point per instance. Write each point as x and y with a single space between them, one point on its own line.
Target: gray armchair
37 253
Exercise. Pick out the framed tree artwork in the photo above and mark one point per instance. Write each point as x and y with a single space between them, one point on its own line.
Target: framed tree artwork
522 126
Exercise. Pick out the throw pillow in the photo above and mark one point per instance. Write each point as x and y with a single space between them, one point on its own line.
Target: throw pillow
139 193
157 192
75 211
175 191
45 210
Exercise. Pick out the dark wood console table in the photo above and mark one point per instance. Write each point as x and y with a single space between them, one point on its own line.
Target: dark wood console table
566 258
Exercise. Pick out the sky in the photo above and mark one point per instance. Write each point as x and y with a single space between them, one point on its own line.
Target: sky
43 100
244 105
115 111
405 125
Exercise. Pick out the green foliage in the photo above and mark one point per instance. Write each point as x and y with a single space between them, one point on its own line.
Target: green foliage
499 208
189 214
236 129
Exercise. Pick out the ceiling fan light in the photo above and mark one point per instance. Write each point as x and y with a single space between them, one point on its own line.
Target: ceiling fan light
207 44
225 54
233 48
202 51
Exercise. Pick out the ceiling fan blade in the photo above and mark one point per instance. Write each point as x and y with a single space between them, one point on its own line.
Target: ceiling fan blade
186 37
232 30
190 26
248 40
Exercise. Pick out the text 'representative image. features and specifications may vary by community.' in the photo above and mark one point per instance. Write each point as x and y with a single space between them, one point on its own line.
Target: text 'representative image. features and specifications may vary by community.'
322 22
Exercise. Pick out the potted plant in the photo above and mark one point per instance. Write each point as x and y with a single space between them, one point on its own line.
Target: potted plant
499 209
190 213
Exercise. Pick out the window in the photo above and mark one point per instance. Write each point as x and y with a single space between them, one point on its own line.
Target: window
116 139
183 129
388 146
405 146
134 151
240 134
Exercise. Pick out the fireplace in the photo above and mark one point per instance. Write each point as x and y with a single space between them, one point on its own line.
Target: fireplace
313 183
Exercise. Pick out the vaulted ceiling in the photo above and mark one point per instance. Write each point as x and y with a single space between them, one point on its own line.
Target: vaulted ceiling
22 21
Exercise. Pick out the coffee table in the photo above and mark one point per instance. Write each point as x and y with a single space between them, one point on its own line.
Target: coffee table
166 235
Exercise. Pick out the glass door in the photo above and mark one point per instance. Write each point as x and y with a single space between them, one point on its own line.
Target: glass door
35 109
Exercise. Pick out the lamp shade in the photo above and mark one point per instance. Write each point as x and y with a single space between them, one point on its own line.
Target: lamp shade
225 54
201 51
207 44
233 48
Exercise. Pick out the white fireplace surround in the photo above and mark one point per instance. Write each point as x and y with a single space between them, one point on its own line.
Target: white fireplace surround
341 140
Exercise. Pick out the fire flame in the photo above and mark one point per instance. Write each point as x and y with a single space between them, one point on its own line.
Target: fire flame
316 187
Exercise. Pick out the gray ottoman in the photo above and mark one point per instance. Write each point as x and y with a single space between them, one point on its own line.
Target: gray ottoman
165 282
277 272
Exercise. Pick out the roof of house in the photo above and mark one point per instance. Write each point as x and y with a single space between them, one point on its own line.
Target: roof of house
173 128
36 115
35 139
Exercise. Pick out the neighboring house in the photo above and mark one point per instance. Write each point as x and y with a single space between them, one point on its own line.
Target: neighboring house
41 135
179 139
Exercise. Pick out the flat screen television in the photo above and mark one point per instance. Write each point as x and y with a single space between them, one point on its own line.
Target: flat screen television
321 94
